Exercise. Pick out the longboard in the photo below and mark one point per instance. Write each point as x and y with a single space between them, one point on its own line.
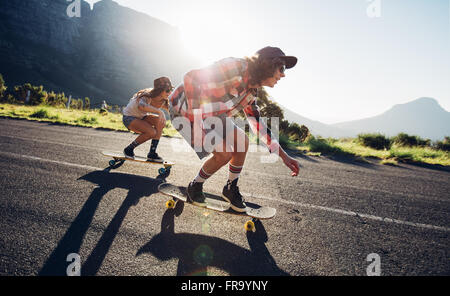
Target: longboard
119 158
216 203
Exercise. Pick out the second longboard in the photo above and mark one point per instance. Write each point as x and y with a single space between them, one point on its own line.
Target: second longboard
119 158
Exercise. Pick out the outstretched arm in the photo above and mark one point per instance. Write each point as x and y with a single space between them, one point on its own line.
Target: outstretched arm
259 128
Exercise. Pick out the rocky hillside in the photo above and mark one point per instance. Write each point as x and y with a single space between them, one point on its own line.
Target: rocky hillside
108 53
423 117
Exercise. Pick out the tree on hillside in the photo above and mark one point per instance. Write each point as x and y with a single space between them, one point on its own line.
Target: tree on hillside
298 132
284 126
37 93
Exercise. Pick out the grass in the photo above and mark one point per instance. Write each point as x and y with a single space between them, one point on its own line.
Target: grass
85 118
312 146
392 156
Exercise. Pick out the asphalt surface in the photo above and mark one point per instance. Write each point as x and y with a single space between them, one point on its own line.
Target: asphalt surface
59 197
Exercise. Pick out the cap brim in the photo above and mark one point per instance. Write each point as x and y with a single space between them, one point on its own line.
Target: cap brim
290 61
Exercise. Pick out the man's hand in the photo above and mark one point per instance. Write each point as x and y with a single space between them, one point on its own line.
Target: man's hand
292 164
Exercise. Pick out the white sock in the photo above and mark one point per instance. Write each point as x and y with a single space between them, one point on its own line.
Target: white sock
202 176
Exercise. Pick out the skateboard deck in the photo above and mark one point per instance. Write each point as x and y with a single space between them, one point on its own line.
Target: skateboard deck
216 203
120 158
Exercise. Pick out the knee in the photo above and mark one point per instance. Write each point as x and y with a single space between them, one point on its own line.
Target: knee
150 133
223 157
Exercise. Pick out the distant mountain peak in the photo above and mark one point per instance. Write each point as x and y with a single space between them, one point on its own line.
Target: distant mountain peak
422 101
423 117
419 105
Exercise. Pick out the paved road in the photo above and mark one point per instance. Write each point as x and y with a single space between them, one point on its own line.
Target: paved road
58 197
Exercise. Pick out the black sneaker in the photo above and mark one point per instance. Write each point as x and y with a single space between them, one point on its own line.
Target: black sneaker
154 157
195 194
129 152
232 195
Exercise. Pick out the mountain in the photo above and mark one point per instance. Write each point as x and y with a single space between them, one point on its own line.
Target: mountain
108 53
315 127
423 117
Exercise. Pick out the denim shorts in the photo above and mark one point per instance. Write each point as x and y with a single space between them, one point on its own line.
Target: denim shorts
127 120
226 123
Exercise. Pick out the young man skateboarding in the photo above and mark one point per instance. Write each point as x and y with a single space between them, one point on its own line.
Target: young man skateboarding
137 117
221 91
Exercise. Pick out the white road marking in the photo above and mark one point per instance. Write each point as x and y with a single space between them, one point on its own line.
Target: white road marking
304 205
77 165
351 213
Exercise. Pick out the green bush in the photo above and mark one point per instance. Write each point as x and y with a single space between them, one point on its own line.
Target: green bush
403 139
321 145
297 132
443 145
375 141
88 120
37 94
41 113
56 99
284 140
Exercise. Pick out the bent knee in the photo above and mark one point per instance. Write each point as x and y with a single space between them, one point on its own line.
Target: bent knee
150 133
223 157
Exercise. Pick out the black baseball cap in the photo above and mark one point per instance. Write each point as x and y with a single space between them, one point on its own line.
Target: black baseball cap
270 52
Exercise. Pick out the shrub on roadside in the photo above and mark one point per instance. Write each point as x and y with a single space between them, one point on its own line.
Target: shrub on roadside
375 141
443 145
36 95
320 145
88 119
41 113
403 139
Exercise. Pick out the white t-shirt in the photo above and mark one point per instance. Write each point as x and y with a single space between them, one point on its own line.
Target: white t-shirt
132 108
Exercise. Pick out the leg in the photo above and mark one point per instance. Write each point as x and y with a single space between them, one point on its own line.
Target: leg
146 132
143 128
230 191
158 123
240 148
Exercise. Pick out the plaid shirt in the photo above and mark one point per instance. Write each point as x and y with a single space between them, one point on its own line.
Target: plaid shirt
221 88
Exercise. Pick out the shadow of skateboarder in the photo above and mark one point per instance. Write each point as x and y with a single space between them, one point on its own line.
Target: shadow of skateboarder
197 252
136 186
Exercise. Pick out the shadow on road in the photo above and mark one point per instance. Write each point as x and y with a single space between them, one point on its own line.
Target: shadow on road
137 186
197 252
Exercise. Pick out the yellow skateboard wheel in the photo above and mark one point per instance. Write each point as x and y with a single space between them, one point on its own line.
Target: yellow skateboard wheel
249 225
170 204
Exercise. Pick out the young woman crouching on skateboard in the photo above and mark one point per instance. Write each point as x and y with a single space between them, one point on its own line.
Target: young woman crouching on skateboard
142 115
221 91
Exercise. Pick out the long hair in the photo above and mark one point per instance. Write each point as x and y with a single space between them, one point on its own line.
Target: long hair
260 69
149 92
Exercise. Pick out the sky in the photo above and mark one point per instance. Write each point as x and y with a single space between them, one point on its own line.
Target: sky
357 58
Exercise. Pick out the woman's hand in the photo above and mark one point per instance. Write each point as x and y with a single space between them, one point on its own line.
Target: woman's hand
292 164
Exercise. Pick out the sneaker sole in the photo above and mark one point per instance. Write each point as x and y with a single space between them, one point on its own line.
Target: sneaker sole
240 210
